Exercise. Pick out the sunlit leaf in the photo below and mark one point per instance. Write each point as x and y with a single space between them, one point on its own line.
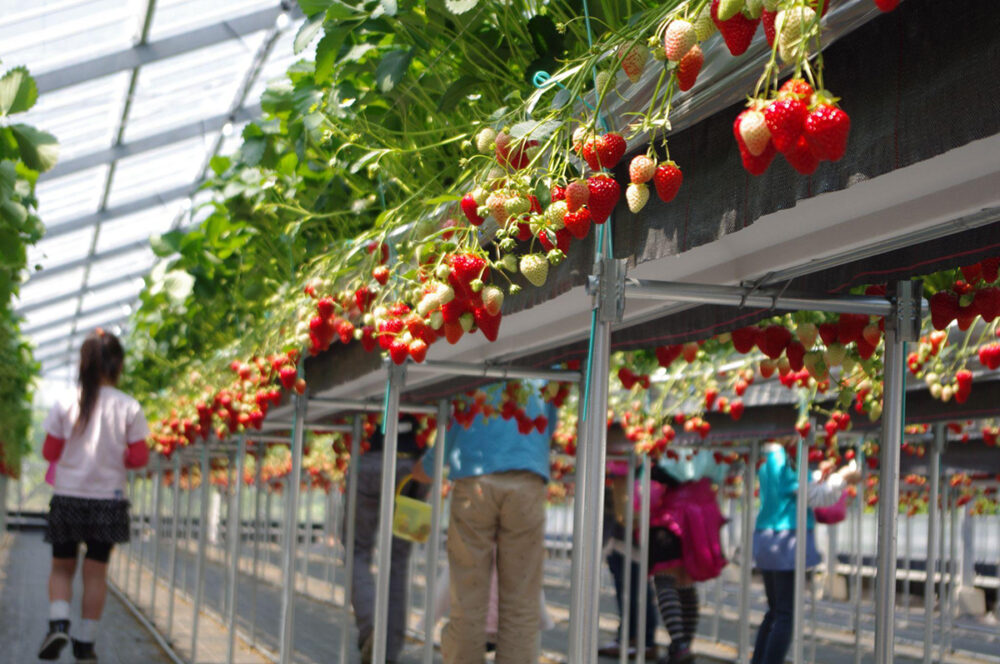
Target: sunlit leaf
307 33
39 149
391 69
460 6
18 91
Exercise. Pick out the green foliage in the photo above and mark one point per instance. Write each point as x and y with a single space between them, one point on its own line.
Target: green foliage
24 152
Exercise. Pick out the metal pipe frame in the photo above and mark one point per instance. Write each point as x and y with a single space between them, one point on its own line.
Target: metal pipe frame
143 514
371 406
157 504
644 508
859 512
907 565
3 504
746 552
175 512
279 426
187 533
801 538
255 570
199 574
286 642
627 617
744 296
434 544
233 534
307 541
576 590
352 513
930 587
888 509
133 517
949 618
495 371
397 378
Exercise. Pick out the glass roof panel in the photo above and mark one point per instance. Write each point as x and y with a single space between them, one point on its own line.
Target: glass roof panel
159 170
282 57
189 87
86 324
61 249
129 262
48 290
69 197
176 16
124 293
140 226
48 34
44 316
52 333
83 117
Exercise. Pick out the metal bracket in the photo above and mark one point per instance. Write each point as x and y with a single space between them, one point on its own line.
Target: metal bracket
607 286
907 313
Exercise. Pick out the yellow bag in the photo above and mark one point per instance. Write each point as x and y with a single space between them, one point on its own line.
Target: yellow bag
412 518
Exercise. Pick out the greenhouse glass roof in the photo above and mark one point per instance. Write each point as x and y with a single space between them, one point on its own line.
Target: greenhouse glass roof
141 94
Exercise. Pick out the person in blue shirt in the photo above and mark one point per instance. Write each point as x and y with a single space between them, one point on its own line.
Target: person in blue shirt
499 470
774 541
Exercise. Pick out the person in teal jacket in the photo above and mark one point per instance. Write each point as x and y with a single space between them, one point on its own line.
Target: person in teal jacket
774 541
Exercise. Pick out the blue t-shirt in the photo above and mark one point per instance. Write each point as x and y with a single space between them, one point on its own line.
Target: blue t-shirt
779 486
496 446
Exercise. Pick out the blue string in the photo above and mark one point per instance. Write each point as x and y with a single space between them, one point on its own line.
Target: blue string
385 402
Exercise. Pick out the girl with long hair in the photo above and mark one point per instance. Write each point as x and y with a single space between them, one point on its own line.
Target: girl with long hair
93 442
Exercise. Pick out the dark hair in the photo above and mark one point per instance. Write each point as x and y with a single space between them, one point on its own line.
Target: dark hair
101 359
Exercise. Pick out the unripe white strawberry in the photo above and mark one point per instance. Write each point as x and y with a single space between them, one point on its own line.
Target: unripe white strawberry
445 293
704 26
516 206
554 214
436 320
485 140
790 26
754 131
427 304
678 39
641 169
466 321
601 81
535 268
634 61
577 195
579 134
636 195
480 195
496 204
492 299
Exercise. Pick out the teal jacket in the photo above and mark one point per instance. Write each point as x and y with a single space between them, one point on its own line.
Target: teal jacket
779 485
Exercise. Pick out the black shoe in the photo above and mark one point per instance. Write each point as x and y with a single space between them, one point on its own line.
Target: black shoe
55 640
84 652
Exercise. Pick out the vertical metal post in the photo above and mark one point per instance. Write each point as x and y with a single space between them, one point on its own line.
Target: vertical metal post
175 513
952 566
898 328
640 652
3 504
930 586
143 514
945 567
627 617
577 591
967 578
397 376
199 573
812 618
286 642
307 540
907 565
187 530
746 550
859 558
801 539
157 504
336 507
327 552
434 543
133 514
255 571
352 514
233 535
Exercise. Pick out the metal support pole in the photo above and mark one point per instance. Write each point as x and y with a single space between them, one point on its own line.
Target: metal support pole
199 573
143 515
945 569
327 549
233 535
157 504
859 558
934 470
397 377
640 652
286 642
255 571
907 565
801 538
175 513
627 617
133 496
949 618
307 541
577 590
434 544
898 328
746 551
3 504
352 514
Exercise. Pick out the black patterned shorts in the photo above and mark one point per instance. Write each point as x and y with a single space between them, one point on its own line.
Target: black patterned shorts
73 520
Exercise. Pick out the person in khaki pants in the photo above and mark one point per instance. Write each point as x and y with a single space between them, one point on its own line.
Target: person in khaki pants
498 499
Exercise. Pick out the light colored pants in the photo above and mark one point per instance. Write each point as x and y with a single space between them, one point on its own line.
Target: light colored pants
506 510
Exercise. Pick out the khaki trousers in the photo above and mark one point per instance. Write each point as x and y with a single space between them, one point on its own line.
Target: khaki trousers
506 510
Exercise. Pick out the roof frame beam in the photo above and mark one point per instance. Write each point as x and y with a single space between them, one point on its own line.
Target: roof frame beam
110 306
93 288
123 210
169 47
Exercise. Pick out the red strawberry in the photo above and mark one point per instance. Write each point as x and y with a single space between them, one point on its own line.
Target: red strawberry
966 317
711 394
381 274
470 208
665 355
785 118
972 273
798 87
944 306
767 20
641 169
745 338
634 60
368 338
829 333
872 334
667 179
801 157
990 269
987 303
737 31
774 340
678 39
453 332
736 409
558 193
513 153
604 151
627 378
577 195
604 194
398 351
578 223
363 297
488 323
466 268
852 326
689 67
886 5
795 352
826 129
287 376
755 165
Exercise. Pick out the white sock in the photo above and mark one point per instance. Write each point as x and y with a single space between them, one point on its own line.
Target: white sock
87 632
59 610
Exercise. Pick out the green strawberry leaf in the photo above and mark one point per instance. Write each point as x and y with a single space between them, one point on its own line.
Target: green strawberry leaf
459 89
460 6
307 33
39 149
391 69
18 91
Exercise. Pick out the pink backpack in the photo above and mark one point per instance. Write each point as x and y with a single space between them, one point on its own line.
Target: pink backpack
691 511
